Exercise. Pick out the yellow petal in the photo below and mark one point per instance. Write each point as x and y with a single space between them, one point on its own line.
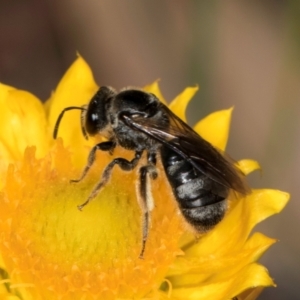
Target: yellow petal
248 165
6 156
1 263
251 294
259 240
22 122
75 89
6 296
179 104
251 276
215 128
189 272
4 90
154 89
221 265
231 234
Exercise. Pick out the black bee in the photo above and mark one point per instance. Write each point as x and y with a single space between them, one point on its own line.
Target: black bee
201 176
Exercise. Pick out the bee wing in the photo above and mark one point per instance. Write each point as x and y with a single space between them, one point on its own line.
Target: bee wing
182 139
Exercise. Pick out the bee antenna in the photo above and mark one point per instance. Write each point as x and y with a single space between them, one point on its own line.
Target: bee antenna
55 131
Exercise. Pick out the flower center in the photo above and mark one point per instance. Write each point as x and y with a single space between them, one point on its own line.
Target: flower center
46 238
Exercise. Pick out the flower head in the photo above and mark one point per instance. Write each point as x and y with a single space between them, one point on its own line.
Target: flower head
50 250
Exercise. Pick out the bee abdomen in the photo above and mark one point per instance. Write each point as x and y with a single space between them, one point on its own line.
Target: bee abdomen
199 203
205 218
201 200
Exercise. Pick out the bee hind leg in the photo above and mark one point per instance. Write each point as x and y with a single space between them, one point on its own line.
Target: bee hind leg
147 173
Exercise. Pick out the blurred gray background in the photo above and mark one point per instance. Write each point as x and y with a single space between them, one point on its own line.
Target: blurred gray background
241 53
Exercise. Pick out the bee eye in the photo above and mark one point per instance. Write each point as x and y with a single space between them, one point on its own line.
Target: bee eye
96 118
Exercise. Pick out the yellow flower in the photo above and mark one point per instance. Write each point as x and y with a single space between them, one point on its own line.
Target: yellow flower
50 250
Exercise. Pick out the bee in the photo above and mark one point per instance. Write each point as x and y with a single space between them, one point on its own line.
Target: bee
201 177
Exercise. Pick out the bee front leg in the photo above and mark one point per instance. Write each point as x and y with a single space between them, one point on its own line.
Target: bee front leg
123 163
104 146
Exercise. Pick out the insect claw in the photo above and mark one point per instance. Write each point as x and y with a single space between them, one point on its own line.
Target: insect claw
74 180
80 207
141 256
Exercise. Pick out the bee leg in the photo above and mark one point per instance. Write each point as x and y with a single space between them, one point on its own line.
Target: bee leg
123 163
82 119
104 146
145 200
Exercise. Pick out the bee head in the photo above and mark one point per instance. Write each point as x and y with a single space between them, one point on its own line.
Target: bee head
96 118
